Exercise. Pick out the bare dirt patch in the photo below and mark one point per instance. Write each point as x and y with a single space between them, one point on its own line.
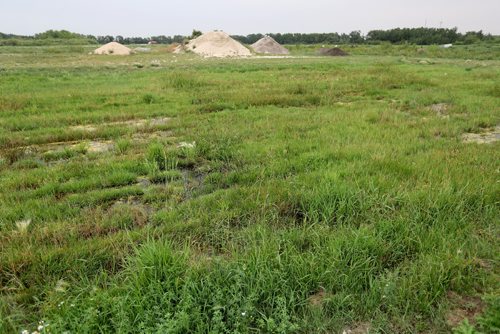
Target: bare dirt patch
153 135
279 57
466 308
488 136
95 146
61 151
141 211
440 109
362 328
85 128
318 298
99 146
89 231
484 264
137 123
143 181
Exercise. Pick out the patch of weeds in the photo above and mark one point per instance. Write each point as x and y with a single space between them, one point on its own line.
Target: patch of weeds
81 148
299 89
216 149
13 104
495 91
187 157
125 216
465 328
160 195
64 154
99 197
123 145
215 107
161 164
279 100
148 99
484 125
184 80
10 156
331 203
156 155
490 321
30 163
161 159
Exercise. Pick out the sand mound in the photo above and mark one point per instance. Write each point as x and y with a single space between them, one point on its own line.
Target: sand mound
217 44
113 48
334 52
268 45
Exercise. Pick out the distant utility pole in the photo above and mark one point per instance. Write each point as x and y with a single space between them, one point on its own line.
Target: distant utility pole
425 23
440 24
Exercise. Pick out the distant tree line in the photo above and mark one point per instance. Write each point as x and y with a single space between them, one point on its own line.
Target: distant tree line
61 34
425 36
49 37
419 36
354 37
49 34
141 40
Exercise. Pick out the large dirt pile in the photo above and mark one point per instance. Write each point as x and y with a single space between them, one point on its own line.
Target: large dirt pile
334 52
217 44
113 48
268 45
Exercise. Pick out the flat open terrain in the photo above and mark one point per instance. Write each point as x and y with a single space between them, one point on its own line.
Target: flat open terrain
170 194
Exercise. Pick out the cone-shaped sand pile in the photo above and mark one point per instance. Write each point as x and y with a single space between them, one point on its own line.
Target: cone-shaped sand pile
113 48
269 46
217 44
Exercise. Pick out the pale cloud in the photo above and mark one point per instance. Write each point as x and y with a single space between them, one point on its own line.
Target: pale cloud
157 17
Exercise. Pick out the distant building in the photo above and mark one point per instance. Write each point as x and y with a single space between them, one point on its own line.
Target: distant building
152 42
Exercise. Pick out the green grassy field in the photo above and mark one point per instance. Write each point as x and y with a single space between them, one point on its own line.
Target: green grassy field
170 194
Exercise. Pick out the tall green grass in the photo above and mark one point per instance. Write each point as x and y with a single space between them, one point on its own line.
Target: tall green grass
316 195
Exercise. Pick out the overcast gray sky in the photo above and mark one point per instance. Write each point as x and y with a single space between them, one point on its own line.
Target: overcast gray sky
169 17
